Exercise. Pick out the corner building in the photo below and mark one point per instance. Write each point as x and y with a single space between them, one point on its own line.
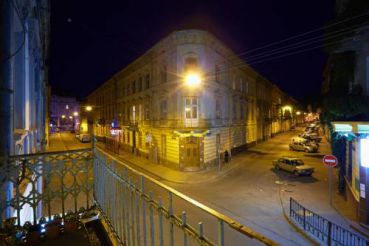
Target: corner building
149 109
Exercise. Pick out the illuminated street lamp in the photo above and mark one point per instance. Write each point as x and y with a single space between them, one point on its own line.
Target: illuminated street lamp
75 114
63 116
70 117
298 113
88 108
193 79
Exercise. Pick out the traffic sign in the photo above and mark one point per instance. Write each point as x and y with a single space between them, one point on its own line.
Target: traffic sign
330 160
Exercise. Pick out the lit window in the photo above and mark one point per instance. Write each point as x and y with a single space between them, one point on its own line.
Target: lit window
364 155
191 107
66 106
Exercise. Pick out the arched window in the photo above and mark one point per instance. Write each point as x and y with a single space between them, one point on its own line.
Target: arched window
191 63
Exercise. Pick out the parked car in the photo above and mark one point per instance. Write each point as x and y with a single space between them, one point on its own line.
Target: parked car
303 146
311 136
85 137
293 165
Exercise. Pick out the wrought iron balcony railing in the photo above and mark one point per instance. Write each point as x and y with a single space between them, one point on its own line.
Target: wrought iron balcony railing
138 209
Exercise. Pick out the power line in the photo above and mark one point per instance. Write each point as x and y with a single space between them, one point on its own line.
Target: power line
307 42
268 55
304 34
300 35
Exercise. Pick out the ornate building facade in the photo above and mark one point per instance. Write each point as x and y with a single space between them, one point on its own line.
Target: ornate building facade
150 109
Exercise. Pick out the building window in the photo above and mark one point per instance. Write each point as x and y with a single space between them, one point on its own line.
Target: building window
217 73
147 81
147 112
139 87
191 64
234 107
163 109
133 87
191 107
163 74
218 112
134 113
242 111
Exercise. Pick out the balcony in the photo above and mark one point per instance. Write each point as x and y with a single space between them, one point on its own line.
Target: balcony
50 190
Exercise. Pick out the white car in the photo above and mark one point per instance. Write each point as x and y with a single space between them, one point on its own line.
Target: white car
293 165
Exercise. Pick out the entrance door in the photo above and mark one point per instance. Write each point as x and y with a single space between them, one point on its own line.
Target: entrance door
191 155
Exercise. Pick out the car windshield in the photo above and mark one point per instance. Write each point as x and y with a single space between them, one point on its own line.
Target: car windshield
297 162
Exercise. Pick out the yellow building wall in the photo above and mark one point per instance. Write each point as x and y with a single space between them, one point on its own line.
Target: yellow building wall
210 148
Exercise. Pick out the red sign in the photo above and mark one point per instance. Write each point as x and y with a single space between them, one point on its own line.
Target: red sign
330 160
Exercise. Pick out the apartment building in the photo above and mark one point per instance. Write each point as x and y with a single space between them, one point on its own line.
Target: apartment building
186 102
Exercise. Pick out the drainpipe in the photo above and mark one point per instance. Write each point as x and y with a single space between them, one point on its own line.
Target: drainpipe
6 95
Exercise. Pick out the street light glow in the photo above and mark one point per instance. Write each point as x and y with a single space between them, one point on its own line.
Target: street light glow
192 79
63 116
70 117
75 114
88 108
287 108
298 113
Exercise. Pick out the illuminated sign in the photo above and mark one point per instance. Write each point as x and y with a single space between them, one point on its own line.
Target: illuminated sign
342 128
364 152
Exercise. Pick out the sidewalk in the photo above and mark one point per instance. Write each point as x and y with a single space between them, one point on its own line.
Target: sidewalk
161 172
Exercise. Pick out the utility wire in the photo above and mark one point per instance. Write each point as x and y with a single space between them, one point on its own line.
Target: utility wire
307 42
269 56
14 5
301 35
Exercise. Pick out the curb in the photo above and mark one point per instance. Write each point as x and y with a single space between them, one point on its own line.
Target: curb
215 177
293 225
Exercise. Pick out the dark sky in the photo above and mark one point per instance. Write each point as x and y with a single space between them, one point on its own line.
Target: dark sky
92 41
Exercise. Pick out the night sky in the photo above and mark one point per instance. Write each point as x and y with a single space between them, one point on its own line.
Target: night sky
92 41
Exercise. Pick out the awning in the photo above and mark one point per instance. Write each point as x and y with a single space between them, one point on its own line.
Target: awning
353 127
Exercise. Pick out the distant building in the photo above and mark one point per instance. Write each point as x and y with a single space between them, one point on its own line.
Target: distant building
24 80
64 113
187 101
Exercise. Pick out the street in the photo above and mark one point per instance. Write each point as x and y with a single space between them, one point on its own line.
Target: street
253 193
250 193
65 141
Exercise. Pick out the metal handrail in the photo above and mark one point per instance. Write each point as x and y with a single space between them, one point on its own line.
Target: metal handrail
323 230
229 221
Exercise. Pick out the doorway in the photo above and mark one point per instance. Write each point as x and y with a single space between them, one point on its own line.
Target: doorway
191 153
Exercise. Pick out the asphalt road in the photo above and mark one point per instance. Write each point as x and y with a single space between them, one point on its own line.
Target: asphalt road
253 193
65 141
